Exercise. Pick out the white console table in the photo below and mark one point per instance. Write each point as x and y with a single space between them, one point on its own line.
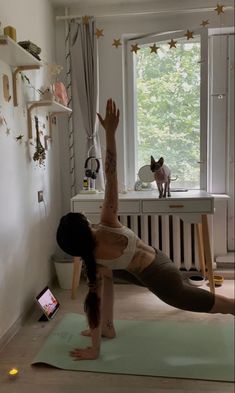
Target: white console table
192 206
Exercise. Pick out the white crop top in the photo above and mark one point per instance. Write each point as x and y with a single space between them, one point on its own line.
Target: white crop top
124 260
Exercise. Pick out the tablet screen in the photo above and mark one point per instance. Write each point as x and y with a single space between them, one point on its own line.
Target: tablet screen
48 303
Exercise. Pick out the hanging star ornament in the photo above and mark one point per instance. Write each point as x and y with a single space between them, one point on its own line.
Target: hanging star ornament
85 19
117 43
189 34
19 138
205 23
172 43
3 121
99 33
135 48
219 9
154 48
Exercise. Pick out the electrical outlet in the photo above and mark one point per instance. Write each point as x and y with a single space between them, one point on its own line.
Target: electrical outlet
40 196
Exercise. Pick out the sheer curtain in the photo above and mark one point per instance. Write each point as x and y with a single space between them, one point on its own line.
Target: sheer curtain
85 87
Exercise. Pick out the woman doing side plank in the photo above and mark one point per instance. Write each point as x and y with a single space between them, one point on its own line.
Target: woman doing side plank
110 247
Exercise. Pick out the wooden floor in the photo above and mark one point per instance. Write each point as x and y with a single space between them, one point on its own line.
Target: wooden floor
131 302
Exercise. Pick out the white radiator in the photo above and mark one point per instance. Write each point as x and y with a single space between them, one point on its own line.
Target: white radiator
170 234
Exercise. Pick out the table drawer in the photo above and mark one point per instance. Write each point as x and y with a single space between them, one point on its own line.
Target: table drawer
87 206
127 207
179 206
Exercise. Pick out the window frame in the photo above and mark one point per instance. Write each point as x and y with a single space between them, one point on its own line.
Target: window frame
130 101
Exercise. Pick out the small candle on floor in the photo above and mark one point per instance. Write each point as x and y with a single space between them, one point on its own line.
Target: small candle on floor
13 373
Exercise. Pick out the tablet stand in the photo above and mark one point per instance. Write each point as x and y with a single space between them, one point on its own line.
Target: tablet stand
43 318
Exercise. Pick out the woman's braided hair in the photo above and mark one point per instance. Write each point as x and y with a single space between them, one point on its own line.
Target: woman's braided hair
74 236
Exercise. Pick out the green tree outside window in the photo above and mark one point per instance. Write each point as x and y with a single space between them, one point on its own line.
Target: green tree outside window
168 109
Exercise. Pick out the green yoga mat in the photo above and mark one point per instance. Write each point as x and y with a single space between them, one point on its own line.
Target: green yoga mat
167 349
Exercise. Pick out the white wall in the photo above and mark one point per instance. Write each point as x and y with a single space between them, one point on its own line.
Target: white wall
111 65
27 228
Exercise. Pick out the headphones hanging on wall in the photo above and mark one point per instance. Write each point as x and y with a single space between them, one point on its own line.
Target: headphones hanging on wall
90 172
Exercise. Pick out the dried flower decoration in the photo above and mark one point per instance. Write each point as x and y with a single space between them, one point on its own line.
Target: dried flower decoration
40 153
54 69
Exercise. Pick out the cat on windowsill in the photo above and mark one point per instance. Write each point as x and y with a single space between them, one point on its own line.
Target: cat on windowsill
162 175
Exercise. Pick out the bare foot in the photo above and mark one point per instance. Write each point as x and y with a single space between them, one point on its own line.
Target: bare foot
108 332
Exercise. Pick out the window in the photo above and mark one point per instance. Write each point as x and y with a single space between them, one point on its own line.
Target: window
167 106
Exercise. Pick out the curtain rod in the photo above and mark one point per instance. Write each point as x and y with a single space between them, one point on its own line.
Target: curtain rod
139 13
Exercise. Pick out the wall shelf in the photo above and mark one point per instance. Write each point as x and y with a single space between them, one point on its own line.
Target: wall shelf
14 55
19 58
53 108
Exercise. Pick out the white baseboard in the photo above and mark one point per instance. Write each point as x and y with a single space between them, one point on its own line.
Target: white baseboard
228 274
228 258
11 332
15 327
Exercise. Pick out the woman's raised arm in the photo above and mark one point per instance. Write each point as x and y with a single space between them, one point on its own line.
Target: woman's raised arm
109 213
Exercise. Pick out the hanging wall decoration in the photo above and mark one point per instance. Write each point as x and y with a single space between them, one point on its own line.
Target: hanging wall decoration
205 23
85 19
116 43
54 69
219 9
135 48
3 122
24 78
19 138
40 153
189 34
172 43
99 33
6 88
154 48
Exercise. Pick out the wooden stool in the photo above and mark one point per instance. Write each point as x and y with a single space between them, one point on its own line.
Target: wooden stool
204 251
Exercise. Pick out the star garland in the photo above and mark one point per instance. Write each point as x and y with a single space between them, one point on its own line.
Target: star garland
154 48
99 33
189 34
85 19
205 23
219 9
117 43
172 43
135 48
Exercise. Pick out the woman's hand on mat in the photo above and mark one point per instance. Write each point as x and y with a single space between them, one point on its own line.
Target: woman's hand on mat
88 353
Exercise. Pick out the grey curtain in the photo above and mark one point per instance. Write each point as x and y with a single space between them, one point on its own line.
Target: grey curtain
84 64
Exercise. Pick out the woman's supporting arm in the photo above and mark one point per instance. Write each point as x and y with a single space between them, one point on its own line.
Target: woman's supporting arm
92 352
107 318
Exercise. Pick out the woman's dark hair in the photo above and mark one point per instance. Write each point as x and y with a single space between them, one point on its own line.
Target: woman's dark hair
74 236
